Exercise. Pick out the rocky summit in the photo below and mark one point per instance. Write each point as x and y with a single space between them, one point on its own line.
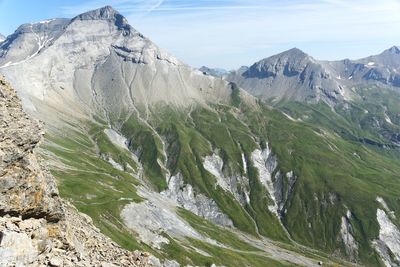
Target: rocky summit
295 76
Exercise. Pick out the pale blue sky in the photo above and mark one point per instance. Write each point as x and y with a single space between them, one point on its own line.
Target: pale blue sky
231 33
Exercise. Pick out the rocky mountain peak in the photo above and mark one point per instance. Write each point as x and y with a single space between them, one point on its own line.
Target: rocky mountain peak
386 63
291 56
393 50
104 13
289 63
291 74
294 53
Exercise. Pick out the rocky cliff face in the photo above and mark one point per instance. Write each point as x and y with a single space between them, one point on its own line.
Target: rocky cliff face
37 228
26 189
294 75
290 75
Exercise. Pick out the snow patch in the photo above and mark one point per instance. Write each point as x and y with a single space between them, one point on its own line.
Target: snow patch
371 63
46 21
6 64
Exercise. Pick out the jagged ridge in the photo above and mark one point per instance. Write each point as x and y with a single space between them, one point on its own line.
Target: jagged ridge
293 75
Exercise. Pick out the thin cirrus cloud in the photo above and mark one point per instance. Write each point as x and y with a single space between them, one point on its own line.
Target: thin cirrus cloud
231 33
135 8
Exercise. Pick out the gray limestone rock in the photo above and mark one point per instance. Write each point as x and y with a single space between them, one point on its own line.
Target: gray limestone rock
294 75
99 64
37 228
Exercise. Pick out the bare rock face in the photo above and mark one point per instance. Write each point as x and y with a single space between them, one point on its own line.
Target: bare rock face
294 75
37 228
99 64
73 241
290 75
25 189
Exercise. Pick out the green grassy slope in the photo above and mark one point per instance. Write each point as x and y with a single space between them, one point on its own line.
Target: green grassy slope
341 161
98 189
347 152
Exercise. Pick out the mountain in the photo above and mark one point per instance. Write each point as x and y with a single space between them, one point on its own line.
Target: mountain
294 75
36 226
91 45
29 39
195 170
216 72
112 103
2 38
382 69
291 75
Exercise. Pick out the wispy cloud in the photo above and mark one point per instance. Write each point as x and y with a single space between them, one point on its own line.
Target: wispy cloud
130 7
229 33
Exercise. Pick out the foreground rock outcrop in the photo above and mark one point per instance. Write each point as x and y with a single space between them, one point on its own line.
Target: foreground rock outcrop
37 228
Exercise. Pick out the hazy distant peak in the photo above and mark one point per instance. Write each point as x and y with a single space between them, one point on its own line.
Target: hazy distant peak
393 50
289 62
294 52
216 72
291 56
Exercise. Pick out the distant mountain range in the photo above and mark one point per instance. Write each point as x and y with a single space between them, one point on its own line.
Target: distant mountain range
216 72
294 75
291 161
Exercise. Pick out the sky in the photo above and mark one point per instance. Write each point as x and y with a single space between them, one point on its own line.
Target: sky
233 33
